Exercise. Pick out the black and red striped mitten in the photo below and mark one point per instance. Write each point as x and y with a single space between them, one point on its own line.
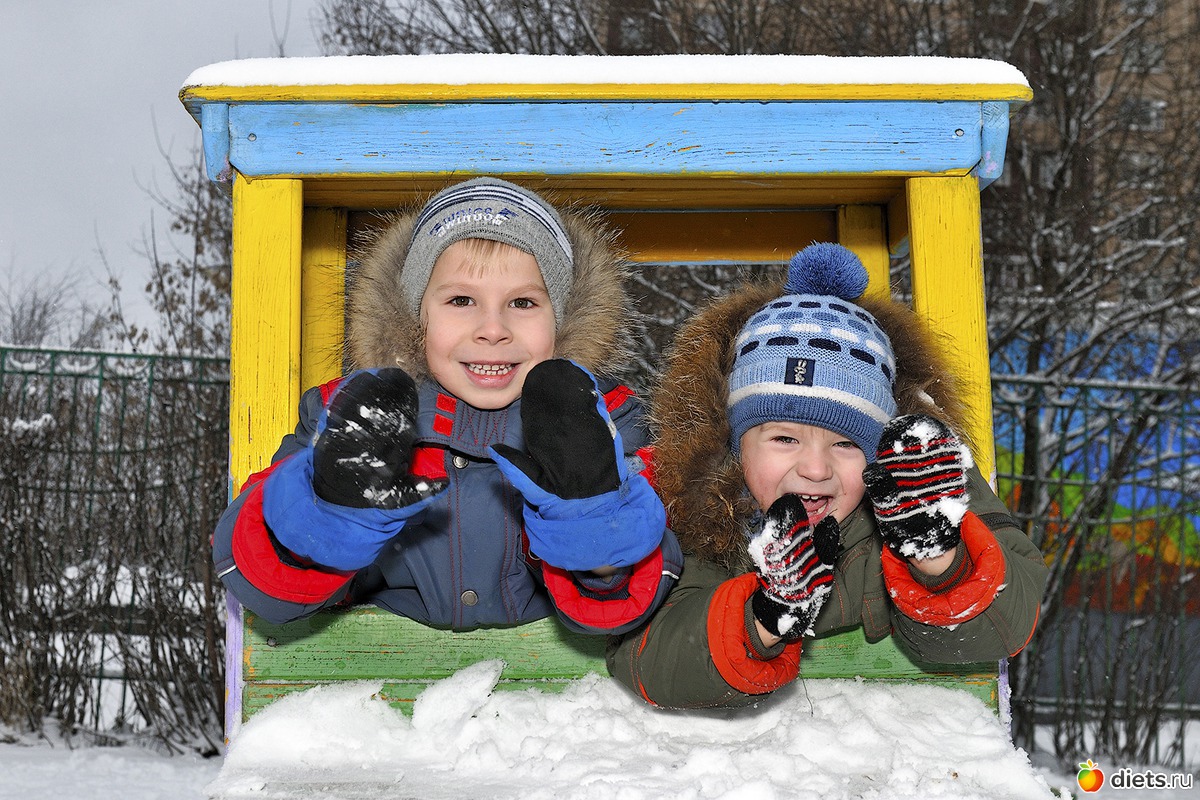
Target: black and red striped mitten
918 486
795 567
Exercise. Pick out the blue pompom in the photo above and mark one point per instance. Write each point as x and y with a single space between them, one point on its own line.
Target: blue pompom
827 268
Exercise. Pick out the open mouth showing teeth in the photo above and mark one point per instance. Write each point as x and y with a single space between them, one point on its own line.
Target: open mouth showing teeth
814 503
490 370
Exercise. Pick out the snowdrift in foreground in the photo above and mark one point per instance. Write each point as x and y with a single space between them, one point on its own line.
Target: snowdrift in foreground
823 739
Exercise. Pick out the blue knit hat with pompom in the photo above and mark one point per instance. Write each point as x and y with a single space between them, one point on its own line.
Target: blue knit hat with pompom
814 357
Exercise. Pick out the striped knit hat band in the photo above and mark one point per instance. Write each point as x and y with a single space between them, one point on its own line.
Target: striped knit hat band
489 208
814 357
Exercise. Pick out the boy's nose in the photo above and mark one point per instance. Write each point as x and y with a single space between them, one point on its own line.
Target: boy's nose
810 463
492 327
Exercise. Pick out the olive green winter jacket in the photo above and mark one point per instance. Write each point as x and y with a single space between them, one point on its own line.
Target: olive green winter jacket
676 659
701 649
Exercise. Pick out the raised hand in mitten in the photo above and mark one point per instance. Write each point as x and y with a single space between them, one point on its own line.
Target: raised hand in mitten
362 454
794 561
918 486
568 433
583 508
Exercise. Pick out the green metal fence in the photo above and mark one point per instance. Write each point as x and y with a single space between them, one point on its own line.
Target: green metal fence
112 472
1106 477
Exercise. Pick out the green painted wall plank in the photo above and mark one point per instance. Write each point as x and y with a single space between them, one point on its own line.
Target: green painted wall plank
366 643
369 644
850 654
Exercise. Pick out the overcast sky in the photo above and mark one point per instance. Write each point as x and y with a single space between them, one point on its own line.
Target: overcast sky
88 98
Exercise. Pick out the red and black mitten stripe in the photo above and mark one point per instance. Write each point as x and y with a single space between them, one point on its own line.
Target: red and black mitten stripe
918 486
795 567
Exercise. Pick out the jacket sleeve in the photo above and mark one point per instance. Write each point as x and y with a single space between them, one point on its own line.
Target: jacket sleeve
620 602
701 650
986 605
263 575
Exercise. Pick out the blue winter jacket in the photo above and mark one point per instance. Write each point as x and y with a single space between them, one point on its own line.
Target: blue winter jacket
464 562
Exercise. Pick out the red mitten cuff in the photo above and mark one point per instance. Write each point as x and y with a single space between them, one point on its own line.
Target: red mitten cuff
729 643
606 613
959 603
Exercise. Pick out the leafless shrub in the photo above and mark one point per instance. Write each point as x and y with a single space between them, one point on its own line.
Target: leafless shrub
111 476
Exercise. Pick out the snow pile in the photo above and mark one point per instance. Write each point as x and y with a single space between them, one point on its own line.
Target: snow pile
823 739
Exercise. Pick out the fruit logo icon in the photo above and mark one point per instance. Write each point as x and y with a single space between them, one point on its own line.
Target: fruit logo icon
1090 777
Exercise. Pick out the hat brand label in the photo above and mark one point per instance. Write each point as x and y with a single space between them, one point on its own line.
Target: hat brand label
799 372
472 215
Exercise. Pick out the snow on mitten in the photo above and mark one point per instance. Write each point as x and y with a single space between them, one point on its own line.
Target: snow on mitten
918 486
795 568
363 450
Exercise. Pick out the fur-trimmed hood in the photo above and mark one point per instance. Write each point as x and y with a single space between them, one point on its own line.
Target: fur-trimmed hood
698 477
598 321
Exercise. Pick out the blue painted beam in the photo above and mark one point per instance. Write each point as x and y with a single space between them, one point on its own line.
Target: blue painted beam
810 137
995 140
214 128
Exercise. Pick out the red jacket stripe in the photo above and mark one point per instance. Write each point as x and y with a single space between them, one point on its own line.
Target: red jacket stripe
428 461
258 562
328 388
615 398
646 454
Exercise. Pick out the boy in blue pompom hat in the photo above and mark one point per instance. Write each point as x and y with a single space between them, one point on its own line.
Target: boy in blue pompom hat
479 466
808 459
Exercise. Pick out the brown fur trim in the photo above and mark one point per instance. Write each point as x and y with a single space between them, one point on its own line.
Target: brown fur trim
599 320
381 331
697 475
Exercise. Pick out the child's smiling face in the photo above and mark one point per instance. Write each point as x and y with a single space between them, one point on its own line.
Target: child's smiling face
823 467
488 320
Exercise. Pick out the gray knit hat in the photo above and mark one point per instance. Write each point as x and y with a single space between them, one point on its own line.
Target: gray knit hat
489 208
813 357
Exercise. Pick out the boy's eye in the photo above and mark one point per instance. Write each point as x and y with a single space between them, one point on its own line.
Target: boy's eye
524 302
847 443
460 300
784 439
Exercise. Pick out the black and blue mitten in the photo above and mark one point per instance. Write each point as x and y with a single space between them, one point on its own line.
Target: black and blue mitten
583 508
338 502
794 561
918 486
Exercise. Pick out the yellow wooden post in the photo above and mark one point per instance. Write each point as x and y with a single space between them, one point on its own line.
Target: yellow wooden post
947 278
265 326
322 295
861 229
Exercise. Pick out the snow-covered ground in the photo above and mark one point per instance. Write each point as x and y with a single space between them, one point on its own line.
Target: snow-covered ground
831 740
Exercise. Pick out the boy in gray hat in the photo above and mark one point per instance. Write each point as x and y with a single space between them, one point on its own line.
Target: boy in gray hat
807 457
479 466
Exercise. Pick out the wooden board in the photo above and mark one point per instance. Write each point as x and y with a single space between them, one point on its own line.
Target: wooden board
366 643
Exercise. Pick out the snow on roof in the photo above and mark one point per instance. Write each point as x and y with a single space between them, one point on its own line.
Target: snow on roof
502 68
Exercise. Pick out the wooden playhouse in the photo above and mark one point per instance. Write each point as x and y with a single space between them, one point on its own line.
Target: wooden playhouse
686 154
